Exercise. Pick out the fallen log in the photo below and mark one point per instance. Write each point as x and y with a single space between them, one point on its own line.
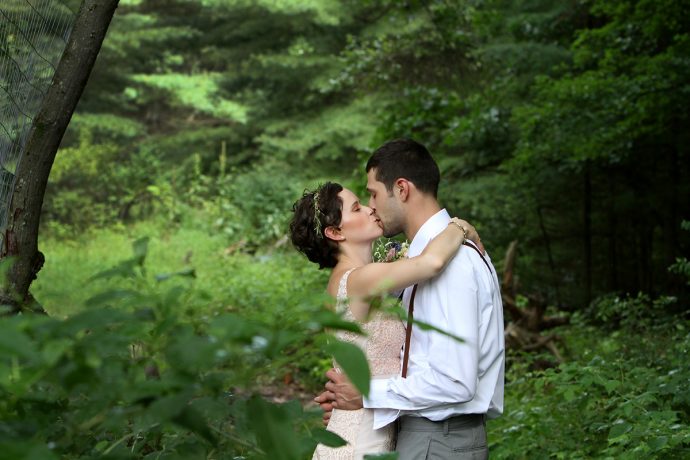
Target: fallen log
527 322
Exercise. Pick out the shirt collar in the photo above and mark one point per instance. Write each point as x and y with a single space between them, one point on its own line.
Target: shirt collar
432 227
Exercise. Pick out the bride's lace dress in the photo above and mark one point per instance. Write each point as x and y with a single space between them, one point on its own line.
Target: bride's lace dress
382 344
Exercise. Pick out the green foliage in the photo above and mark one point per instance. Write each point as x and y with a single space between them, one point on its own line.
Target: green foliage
220 64
621 390
557 124
260 203
247 206
633 313
106 127
538 113
424 113
264 285
386 456
347 129
152 115
622 396
135 374
682 265
199 93
96 184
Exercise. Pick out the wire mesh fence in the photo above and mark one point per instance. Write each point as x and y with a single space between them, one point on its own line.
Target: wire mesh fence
33 36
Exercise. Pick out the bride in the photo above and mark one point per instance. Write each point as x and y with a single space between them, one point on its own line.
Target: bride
333 229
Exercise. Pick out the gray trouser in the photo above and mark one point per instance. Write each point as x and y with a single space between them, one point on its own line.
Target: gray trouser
462 437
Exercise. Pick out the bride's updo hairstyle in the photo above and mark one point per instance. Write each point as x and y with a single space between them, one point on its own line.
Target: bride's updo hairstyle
315 211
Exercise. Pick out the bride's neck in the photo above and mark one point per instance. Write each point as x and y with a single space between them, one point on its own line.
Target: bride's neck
355 255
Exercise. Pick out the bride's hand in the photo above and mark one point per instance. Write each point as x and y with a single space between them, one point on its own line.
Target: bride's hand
470 232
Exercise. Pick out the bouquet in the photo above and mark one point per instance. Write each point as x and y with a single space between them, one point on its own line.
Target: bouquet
390 250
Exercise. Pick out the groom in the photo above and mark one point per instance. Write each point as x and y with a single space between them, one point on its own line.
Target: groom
447 388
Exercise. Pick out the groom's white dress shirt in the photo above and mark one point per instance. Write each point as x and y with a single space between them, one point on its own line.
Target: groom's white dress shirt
445 377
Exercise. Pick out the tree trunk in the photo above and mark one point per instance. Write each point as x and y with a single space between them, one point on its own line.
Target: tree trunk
49 125
671 238
612 232
552 264
523 331
587 217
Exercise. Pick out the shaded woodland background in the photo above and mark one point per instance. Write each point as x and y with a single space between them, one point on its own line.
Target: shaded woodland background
560 126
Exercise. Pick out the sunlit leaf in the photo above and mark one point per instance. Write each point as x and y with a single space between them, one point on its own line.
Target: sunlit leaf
124 269
402 314
619 429
141 249
273 428
192 419
15 343
352 360
382 456
332 320
111 297
328 438
186 273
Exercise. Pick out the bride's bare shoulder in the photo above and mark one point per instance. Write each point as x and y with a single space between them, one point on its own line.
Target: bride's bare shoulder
334 280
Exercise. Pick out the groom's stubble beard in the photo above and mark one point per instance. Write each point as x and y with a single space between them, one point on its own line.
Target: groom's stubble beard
392 225
390 234
393 219
389 231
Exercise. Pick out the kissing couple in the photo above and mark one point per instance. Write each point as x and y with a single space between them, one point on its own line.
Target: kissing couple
430 394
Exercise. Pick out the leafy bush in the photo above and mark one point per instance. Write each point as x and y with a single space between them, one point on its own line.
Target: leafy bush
94 184
625 396
682 265
141 374
251 207
635 313
255 205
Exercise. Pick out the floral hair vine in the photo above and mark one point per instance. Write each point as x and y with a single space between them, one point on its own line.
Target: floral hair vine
317 221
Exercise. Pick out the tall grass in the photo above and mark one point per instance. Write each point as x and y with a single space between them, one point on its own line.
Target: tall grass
278 285
270 281
64 284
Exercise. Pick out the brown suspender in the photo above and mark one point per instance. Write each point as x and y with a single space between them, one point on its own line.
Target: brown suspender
465 243
408 332
410 312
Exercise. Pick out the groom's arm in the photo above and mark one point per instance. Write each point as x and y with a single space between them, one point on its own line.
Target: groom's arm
452 375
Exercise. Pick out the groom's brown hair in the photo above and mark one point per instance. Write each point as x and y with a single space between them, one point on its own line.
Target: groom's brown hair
407 159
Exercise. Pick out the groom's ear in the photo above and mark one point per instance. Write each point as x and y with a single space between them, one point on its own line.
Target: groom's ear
401 188
333 233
